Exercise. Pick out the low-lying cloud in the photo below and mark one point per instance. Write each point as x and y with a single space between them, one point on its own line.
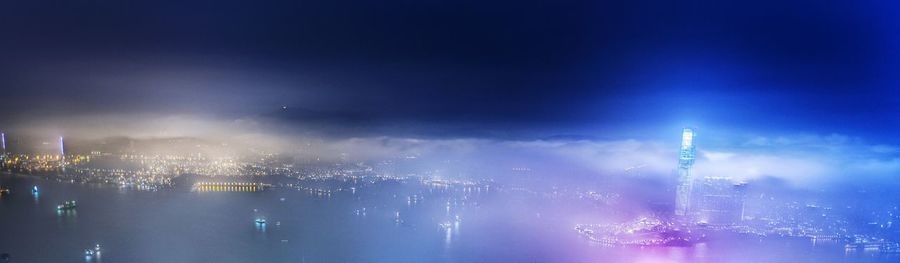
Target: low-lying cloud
803 160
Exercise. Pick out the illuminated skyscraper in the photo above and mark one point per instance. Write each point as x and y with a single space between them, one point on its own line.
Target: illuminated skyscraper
62 149
62 154
685 178
3 154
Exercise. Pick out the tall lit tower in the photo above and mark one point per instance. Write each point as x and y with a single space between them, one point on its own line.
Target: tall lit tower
685 178
3 154
62 148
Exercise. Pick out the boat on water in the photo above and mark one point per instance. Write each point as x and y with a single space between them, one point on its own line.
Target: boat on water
4 190
93 251
34 190
260 221
66 205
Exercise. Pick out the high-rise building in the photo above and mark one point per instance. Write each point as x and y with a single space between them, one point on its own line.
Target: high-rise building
62 148
720 201
62 153
685 177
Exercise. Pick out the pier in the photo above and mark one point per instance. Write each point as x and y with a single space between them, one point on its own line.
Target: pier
229 187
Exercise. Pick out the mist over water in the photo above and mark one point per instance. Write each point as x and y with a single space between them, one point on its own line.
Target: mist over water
449 131
185 226
440 199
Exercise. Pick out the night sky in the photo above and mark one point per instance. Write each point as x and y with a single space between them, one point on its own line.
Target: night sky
573 109
462 68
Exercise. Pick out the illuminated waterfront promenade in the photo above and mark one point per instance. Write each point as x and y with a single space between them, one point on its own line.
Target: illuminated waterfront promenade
229 187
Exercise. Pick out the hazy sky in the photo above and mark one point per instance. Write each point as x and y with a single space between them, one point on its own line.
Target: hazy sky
794 89
471 68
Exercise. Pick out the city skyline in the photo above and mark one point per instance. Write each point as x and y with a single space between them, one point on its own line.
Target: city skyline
449 131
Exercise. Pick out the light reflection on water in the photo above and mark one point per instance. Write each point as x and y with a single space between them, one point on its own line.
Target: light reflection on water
183 226
448 238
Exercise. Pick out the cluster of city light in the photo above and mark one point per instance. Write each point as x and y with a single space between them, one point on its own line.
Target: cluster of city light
644 231
717 204
42 162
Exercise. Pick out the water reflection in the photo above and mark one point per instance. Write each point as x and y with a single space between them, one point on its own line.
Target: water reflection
261 227
184 226
67 213
448 237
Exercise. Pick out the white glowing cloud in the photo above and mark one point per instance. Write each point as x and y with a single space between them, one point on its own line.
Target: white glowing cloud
801 159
